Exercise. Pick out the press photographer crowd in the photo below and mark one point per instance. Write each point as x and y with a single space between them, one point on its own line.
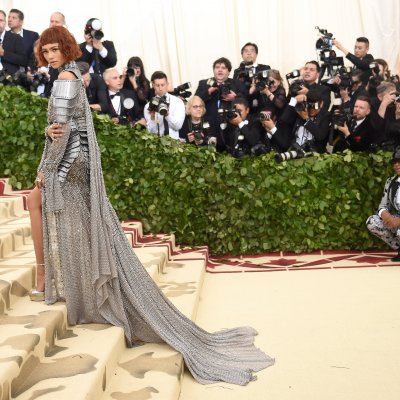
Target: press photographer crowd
342 101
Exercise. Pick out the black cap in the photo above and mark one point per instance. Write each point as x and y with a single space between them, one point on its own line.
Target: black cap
396 155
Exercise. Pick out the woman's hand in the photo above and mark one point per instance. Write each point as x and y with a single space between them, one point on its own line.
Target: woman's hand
39 181
55 131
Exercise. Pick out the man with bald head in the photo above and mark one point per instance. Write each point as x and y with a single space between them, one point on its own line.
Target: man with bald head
57 19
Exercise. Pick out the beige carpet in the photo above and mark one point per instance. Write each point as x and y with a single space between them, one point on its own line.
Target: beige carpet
335 333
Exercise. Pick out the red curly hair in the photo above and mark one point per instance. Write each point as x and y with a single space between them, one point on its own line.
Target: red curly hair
66 42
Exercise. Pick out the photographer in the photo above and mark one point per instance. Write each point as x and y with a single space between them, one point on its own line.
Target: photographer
392 133
196 129
308 120
164 113
247 72
361 59
276 136
96 89
309 81
382 106
122 103
241 133
358 133
134 78
99 54
380 73
219 92
271 93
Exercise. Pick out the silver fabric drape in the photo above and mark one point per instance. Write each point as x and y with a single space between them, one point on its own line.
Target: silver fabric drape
91 265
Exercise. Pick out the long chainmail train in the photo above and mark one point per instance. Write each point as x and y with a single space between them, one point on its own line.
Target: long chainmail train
92 267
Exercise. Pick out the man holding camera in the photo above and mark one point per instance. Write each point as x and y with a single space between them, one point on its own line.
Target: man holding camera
99 54
123 104
308 120
164 113
241 133
219 92
358 133
249 71
361 59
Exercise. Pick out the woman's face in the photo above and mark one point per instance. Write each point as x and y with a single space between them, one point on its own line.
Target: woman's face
274 84
196 109
52 54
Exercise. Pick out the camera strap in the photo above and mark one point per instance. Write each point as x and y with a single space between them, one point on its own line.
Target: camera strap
166 127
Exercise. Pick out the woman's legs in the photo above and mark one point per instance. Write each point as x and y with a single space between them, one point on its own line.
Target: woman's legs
35 212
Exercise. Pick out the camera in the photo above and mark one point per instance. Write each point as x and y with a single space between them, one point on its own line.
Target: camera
130 71
182 90
263 116
5 78
94 29
227 115
296 151
198 134
159 104
295 87
339 119
374 66
325 41
246 74
262 80
305 105
212 82
224 89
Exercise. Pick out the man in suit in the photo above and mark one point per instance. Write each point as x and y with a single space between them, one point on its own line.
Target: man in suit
123 104
241 133
99 54
96 89
248 72
361 59
358 134
308 121
12 53
219 92
386 223
15 23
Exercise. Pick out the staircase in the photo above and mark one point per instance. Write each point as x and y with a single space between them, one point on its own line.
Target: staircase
41 356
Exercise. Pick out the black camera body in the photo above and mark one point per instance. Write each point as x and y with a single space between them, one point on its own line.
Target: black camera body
295 87
342 118
224 88
160 105
325 41
182 90
226 115
262 116
130 71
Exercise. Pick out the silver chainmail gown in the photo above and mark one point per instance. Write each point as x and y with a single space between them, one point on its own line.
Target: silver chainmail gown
91 266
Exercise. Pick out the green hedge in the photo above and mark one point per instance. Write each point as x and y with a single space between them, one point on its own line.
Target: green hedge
234 206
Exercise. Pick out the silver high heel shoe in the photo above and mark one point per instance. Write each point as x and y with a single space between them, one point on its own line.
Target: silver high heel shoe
36 295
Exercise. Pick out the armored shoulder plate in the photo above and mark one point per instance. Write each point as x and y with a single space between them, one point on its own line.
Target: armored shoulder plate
64 98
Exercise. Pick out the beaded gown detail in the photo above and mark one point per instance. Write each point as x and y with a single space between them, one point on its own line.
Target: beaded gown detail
91 266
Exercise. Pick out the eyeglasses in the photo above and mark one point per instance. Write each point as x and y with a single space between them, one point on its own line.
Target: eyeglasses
197 107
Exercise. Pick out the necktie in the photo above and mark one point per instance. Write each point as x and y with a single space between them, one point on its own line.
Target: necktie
115 94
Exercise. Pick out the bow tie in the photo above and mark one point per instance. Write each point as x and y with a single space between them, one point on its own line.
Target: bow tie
113 95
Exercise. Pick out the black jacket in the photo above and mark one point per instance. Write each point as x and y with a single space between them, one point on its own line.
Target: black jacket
14 53
133 114
213 102
29 40
100 63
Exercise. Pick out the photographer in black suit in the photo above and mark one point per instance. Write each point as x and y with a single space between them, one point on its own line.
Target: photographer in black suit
308 121
248 71
358 133
123 104
12 53
242 133
361 59
219 92
99 54
15 23
96 89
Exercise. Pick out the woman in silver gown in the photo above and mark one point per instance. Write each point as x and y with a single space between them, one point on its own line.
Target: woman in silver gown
89 263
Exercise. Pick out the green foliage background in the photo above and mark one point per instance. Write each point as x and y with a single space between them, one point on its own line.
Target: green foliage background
234 206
